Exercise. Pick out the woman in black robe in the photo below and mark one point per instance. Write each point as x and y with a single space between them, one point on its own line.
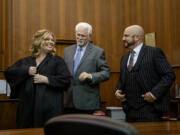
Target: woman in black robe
38 82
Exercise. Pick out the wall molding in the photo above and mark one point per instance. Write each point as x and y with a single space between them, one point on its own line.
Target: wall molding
65 42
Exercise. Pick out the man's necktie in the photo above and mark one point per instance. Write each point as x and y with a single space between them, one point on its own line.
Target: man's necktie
130 65
77 60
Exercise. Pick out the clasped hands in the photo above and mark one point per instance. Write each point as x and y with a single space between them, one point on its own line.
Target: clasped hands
83 76
147 96
37 77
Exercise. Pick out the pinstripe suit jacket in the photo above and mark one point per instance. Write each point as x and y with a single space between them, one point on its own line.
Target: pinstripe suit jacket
154 74
86 95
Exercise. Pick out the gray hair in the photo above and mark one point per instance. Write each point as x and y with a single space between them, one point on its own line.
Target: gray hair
85 25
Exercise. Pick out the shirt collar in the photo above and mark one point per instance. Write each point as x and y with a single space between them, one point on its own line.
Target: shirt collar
84 46
138 48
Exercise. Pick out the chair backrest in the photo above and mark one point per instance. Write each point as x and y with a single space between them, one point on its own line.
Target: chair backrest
84 124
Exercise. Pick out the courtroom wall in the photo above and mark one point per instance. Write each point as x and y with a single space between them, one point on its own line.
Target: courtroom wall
21 18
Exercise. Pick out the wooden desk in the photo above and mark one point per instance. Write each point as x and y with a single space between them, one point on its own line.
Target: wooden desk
158 128
144 128
8 113
31 131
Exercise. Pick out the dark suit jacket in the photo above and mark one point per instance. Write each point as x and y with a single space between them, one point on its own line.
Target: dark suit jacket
154 74
86 95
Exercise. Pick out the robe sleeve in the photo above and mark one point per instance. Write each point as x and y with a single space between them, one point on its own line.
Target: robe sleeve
16 73
62 77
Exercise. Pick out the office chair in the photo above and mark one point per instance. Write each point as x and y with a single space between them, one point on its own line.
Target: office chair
84 124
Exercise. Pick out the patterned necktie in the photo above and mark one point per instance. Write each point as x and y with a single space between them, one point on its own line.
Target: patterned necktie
130 65
77 60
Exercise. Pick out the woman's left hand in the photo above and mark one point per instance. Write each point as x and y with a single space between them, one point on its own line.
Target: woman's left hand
40 79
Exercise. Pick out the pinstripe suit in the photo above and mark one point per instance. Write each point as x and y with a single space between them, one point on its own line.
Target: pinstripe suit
152 74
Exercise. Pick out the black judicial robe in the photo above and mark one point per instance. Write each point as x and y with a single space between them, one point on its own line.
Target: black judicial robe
38 102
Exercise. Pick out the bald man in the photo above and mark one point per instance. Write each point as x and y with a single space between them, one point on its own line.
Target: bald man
145 79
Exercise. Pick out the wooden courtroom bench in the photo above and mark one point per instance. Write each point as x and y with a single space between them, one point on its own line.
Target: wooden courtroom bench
8 108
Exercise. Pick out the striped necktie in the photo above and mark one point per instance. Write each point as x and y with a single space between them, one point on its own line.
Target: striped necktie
77 60
130 65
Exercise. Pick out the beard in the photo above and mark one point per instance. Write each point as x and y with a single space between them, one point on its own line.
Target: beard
128 44
81 42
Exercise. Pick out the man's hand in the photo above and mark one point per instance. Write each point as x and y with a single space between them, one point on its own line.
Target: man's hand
83 76
120 96
147 97
32 70
40 79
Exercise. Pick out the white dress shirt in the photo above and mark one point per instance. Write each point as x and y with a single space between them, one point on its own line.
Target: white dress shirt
137 49
82 51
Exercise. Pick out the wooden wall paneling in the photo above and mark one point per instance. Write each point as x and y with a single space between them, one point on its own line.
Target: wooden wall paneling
43 14
60 49
103 27
3 21
61 34
174 102
8 114
105 16
106 30
108 18
1 32
9 37
165 28
71 19
176 69
33 18
176 31
116 33
5 28
61 45
49 15
20 23
107 91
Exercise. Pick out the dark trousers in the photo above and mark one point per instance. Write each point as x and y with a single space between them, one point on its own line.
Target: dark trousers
77 111
147 113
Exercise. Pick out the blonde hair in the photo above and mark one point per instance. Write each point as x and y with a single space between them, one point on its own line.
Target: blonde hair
37 40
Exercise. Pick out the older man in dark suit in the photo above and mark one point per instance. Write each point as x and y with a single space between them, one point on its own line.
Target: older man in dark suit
88 66
145 78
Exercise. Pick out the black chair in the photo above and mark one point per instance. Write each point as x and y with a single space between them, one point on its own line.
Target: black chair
84 124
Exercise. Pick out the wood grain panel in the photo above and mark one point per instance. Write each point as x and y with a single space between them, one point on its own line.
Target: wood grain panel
108 18
176 31
176 69
8 114
107 91
20 19
3 25
1 32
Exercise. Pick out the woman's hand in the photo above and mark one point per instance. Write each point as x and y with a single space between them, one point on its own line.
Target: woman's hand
40 79
32 70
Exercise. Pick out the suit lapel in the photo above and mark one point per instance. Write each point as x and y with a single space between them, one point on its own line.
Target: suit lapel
124 66
140 57
71 55
126 60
